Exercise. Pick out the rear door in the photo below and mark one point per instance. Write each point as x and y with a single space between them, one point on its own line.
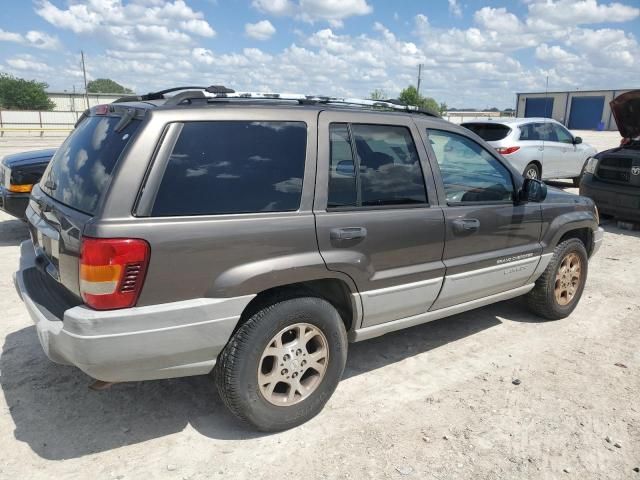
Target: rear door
71 190
492 244
374 217
532 146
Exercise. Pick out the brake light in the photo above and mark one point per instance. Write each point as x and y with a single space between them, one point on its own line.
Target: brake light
112 271
507 150
20 188
102 109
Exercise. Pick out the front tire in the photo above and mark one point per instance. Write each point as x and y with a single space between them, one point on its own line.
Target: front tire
283 364
558 290
532 171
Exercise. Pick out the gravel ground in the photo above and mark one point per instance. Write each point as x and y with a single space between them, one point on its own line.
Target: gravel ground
435 401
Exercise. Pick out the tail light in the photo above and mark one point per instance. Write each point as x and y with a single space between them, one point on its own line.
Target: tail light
507 150
112 271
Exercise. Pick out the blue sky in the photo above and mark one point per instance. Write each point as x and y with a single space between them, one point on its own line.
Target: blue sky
475 53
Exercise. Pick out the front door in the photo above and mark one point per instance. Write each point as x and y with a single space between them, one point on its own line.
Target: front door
374 217
492 243
573 155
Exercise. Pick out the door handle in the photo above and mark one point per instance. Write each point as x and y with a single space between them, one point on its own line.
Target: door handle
348 233
466 225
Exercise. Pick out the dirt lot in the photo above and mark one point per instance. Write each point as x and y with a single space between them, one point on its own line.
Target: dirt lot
433 402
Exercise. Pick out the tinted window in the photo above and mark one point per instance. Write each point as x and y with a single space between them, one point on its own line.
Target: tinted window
469 172
562 134
489 132
234 167
81 168
389 167
342 177
388 172
538 131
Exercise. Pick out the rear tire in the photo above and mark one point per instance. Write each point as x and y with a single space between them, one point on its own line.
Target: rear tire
558 290
532 171
263 387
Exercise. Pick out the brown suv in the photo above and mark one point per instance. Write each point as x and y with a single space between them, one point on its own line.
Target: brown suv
255 236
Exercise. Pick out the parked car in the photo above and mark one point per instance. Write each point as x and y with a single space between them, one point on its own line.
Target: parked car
536 147
256 237
612 177
18 174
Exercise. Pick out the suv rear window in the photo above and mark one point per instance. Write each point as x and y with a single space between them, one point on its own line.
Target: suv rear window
229 167
81 168
489 132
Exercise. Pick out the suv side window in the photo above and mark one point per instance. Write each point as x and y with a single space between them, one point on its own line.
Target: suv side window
469 172
229 167
562 134
386 170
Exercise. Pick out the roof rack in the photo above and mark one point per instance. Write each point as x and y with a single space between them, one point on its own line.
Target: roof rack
221 93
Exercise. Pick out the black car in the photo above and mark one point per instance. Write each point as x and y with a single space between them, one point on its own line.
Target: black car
612 178
18 174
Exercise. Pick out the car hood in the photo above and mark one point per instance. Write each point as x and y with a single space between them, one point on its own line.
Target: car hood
29 158
626 110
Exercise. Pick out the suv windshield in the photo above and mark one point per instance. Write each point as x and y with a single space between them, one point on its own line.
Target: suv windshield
489 132
80 171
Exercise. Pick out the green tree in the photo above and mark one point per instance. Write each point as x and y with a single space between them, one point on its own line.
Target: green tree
21 94
410 96
106 85
378 94
443 108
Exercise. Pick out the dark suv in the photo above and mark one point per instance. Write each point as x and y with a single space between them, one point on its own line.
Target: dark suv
612 178
256 236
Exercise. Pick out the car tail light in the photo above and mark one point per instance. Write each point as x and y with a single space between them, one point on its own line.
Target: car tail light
20 188
507 150
112 271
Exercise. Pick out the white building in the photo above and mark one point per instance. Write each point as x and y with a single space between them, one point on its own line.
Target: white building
577 110
77 102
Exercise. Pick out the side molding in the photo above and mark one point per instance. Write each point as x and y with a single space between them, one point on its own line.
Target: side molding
378 330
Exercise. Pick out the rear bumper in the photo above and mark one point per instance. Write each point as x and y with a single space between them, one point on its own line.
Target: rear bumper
14 204
141 343
612 199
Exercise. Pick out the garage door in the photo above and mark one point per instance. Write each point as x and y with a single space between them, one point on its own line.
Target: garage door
586 112
539 107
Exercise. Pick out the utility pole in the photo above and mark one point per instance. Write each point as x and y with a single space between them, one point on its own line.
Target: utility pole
84 75
419 77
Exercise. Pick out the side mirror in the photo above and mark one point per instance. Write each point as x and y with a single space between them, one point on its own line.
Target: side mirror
533 191
577 140
345 167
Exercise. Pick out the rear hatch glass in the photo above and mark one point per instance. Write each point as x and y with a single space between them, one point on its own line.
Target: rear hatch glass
81 169
489 132
70 191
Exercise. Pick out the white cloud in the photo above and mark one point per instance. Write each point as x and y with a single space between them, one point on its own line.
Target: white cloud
128 25
10 36
262 30
197 26
454 8
32 38
554 54
28 63
332 11
578 12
